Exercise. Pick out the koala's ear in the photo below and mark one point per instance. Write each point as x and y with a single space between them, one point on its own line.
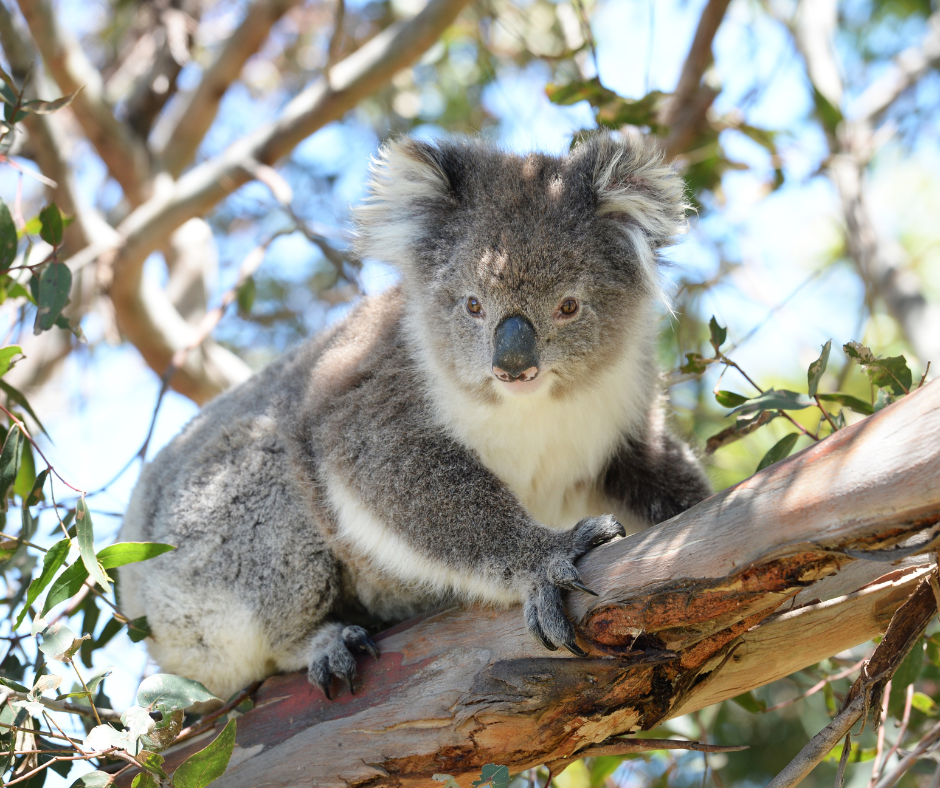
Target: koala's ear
635 187
411 184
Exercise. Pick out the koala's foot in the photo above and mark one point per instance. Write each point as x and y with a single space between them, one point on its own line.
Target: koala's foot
331 654
544 612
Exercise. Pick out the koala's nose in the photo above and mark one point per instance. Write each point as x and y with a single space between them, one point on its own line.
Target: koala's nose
515 352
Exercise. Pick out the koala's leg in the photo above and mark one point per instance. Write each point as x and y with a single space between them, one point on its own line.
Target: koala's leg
657 477
426 511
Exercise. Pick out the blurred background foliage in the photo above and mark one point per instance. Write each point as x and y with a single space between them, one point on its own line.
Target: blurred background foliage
773 252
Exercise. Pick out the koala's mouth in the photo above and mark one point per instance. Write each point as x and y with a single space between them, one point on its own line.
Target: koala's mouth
522 384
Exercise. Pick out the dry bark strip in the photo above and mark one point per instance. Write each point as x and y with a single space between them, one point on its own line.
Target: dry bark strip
745 588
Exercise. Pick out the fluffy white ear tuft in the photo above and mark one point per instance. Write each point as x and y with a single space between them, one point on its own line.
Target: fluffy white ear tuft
643 194
407 188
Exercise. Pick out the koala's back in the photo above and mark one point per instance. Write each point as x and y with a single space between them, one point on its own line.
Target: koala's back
253 572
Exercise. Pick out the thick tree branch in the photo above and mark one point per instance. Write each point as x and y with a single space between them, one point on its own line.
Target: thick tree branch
730 595
198 109
125 156
685 112
144 314
878 263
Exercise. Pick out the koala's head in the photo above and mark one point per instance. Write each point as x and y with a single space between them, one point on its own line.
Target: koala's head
523 270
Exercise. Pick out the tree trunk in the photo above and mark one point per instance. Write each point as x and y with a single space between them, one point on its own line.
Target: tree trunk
786 568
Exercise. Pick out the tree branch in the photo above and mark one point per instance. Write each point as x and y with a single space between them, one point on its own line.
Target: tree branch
198 109
878 263
689 613
145 314
126 157
684 114
909 68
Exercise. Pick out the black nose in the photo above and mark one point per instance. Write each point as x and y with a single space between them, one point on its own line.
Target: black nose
515 352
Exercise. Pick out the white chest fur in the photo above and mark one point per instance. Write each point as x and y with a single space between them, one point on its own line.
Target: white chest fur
550 451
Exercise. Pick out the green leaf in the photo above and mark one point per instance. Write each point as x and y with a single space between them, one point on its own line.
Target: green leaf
167 693
829 115
447 779
748 702
16 396
67 585
138 629
145 780
201 768
124 553
51 219
39 107
55 283
774 400
817 368
497 776
886 373
10 459
246 297
695 364
778 451
94 679
933 651
850 402
51 562
153 762
8 238
85 535
856 755
729 399
13 685
718 334
59 642
924 704
602 768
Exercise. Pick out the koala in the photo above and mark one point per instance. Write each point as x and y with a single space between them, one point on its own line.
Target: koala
464 437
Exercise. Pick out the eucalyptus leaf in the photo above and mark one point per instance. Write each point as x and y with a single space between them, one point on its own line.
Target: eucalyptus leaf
497 776
729 399
10 459
718 334
778 451
51 561
817 368
104 737
850 402
774 400
891 373
13 685
67 585
84 532
52 227
124 553
166 693
59 642
203 767
750 703
144 780
55 284
138 629
39 107
7 355
94 779
8 237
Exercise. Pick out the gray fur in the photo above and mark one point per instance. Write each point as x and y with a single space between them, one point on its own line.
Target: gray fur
381 469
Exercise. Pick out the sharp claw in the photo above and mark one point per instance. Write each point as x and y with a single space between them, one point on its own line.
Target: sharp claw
349 682
544 640
373 649
326 690
579 585
575 649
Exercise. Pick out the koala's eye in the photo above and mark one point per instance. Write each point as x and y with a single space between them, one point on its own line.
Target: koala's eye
568 307
474 307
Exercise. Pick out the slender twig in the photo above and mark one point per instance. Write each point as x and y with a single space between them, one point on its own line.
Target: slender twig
880 744
87 691
924 376
818 686
24 541
905 719
22 428
826 414
206 722
843 761
927 743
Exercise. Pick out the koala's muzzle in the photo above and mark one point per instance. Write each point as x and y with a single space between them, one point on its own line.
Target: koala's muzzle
515 352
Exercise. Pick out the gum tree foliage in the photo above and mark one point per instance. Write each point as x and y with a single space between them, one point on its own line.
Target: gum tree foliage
155 96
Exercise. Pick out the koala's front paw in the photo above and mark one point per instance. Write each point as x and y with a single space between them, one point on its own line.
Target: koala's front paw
544 612
331 655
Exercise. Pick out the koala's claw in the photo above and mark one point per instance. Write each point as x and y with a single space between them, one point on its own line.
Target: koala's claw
330 655
357 639
595 531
